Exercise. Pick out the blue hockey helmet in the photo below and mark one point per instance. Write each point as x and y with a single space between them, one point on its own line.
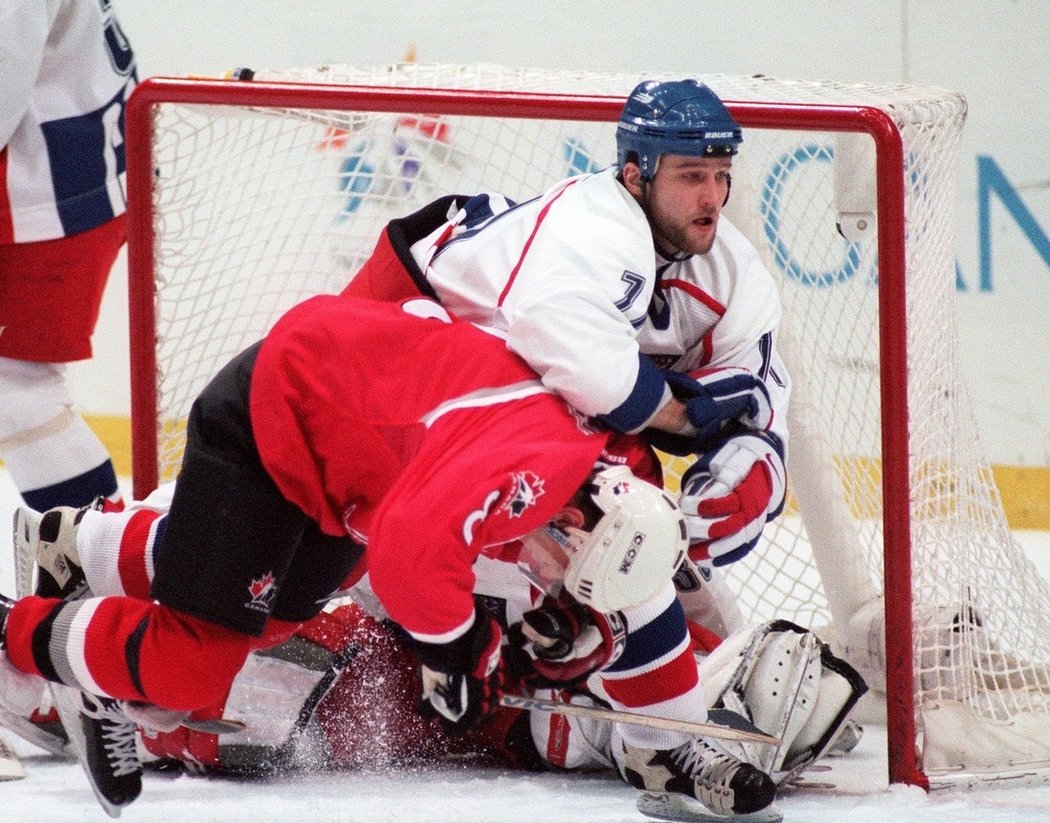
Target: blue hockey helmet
674 117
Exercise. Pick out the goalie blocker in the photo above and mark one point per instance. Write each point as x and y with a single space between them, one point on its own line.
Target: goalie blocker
342 694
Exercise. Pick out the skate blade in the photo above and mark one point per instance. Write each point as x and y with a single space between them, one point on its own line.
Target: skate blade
681 809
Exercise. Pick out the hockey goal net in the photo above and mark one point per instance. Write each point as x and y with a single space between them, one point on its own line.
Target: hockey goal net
248 196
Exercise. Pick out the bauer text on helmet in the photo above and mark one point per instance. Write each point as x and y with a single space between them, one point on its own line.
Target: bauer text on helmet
632 543
674 117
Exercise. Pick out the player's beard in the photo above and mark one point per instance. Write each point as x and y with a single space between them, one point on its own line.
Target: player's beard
679 238
673 236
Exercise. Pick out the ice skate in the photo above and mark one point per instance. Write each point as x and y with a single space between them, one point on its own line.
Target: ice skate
104 741
672 780
49 541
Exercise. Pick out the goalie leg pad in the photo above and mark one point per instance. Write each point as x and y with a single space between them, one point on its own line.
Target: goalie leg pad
774 683
781 687
841 686
274 696
790 685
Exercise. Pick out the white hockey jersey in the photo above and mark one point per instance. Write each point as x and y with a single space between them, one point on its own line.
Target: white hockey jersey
573 279
66 69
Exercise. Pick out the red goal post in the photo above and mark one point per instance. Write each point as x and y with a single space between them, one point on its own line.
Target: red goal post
168 190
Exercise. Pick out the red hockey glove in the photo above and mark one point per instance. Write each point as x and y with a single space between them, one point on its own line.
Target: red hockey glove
730 494
462 681
562 642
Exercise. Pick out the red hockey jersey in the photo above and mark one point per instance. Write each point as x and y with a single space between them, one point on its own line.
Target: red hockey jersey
425 438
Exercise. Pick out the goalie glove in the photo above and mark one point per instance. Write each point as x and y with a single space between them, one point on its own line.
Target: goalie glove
563 642
462 681
714 399
729 495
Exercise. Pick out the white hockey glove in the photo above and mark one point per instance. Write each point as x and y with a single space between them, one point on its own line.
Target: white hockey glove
562 642
729 495
714 399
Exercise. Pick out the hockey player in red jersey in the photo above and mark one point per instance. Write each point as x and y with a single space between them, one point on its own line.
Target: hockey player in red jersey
318 440
321 437
632 296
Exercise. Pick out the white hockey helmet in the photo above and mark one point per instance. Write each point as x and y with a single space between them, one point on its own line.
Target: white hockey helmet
632 543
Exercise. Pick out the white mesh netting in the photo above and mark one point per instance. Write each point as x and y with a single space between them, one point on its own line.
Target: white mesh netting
255 209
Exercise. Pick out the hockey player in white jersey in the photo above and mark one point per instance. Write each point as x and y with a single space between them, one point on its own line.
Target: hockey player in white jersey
633 297
66 70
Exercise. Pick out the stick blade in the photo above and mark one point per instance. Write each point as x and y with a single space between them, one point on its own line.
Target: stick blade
215 725
732 720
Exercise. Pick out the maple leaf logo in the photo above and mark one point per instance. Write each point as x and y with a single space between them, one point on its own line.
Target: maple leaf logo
526 488
261 586
262 591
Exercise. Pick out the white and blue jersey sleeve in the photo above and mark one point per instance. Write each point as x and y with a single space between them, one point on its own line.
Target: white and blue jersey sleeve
571 278
67 72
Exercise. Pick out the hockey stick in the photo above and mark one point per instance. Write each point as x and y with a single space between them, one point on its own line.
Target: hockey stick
727 725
